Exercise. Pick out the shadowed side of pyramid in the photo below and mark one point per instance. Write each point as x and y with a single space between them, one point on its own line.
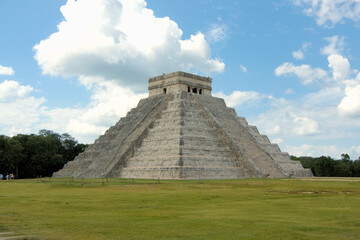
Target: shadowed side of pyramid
181 132
118 142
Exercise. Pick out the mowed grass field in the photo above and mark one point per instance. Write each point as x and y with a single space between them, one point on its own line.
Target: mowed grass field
213 209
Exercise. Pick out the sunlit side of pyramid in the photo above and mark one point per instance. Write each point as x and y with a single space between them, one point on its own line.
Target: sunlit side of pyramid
181 132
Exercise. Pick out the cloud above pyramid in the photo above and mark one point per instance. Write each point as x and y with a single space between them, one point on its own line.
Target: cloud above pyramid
121 41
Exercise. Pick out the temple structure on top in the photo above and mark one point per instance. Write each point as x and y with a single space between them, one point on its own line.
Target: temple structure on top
179 82
181 132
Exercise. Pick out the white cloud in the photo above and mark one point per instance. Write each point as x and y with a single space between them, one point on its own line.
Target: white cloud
195 53
6 70
289 91
340 67
121 41
305 126
22 110
319 110
350 104
57 119
306 73
217 33
113 47
329 114
238 98
322 150
243 68
28 114
12 90
335 46
333 11
274 129
299 54
324 97
306 45
313 118
287 119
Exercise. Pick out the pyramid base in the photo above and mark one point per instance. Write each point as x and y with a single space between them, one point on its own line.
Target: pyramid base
182 173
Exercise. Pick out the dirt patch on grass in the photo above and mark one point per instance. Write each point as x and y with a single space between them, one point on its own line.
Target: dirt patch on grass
15 236
306 192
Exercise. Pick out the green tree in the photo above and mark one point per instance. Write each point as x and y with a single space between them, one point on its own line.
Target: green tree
344 167
46 152
356 171
345 156
328 167
10 155
324 167
41 155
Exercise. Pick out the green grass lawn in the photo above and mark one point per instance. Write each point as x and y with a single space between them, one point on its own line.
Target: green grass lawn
216 209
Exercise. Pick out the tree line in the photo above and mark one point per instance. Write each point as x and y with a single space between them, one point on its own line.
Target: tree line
34 155
327 167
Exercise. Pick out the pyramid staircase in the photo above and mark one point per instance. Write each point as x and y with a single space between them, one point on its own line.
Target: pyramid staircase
181 145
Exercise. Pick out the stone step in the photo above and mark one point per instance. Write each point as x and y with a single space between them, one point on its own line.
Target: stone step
175 160
301 173
288 165
242 121
186 143
167 133
157 152
271 148
160 142
262 139
198 131
154 161
183 172
206 161
253 130
281 157
182 115
178 120
205 150
151 173
217 144
199 151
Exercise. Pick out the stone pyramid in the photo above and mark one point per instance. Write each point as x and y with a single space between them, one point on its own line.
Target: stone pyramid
181 132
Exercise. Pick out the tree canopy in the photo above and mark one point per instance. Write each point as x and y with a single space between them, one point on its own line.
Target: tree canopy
30 156
327 167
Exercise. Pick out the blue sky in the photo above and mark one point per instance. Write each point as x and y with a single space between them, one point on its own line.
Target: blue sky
291 67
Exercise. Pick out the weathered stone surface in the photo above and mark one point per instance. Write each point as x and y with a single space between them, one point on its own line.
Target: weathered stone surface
182 135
